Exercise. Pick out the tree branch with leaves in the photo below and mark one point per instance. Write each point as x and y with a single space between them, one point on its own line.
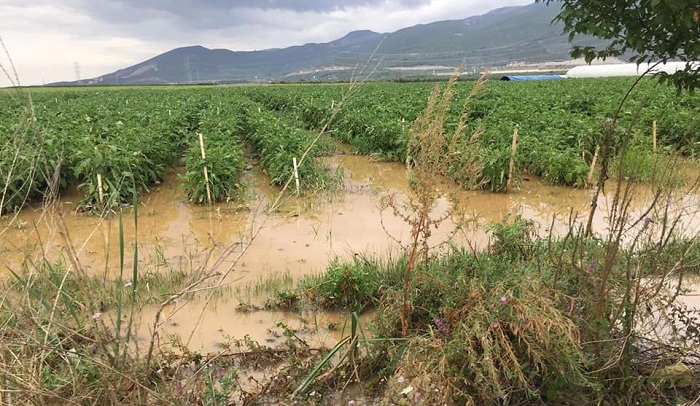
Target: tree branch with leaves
648 30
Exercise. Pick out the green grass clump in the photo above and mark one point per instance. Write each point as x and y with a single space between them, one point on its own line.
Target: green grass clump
641 165
523 322
354 285
70 338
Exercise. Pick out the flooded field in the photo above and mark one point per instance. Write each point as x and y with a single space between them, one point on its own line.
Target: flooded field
249 244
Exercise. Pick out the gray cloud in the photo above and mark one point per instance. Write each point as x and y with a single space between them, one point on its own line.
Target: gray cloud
48 36
179 19
189 7
211 14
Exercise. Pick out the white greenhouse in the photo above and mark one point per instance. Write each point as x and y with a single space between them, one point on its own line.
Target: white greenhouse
623 69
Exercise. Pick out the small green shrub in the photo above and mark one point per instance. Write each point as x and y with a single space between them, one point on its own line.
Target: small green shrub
225 164
514 239
355 285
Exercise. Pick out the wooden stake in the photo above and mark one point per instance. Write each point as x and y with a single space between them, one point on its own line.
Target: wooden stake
593 162
654 135
513 148
206 173
296 173
100 193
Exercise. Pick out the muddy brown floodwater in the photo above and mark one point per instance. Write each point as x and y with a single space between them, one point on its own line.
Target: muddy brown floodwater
299 238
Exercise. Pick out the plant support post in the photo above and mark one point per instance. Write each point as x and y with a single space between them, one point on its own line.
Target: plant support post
509 181
593 162
653 132
206 173
100 193
296 173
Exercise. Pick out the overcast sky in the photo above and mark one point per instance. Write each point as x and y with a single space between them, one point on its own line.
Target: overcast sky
48 39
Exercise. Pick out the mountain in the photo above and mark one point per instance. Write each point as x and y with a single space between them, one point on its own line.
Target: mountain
506 36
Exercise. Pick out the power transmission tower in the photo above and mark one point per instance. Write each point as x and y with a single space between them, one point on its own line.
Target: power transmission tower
77 70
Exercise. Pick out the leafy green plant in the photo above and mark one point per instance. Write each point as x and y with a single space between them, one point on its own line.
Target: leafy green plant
224 164
218 388
512 238
278 144
351 286
651 31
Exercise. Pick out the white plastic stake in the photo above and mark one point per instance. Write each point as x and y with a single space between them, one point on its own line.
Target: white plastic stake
512 160
100 193
296 173
206 173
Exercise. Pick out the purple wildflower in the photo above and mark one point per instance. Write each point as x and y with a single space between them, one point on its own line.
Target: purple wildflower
591 267
504 299
441 326
496 324
648 220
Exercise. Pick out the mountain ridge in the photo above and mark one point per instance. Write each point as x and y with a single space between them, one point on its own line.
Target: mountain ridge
508 35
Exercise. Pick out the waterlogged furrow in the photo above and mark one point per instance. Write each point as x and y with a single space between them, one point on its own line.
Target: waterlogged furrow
560 123
112 142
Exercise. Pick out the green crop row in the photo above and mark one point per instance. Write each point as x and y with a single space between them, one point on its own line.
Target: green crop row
129 136
121 140
220 127
559 122
278 143
110 143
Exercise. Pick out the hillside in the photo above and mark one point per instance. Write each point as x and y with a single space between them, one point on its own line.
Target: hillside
511 35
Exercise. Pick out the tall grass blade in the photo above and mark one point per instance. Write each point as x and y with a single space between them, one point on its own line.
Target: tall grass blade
120 298
354 326
32 292
135 273
317 369
59 283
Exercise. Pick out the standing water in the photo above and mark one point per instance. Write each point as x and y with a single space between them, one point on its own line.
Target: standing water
299 238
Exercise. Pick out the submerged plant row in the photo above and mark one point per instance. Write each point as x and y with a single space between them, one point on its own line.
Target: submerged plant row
110 142
559 122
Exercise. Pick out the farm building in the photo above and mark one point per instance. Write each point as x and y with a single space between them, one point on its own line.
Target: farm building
622 69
